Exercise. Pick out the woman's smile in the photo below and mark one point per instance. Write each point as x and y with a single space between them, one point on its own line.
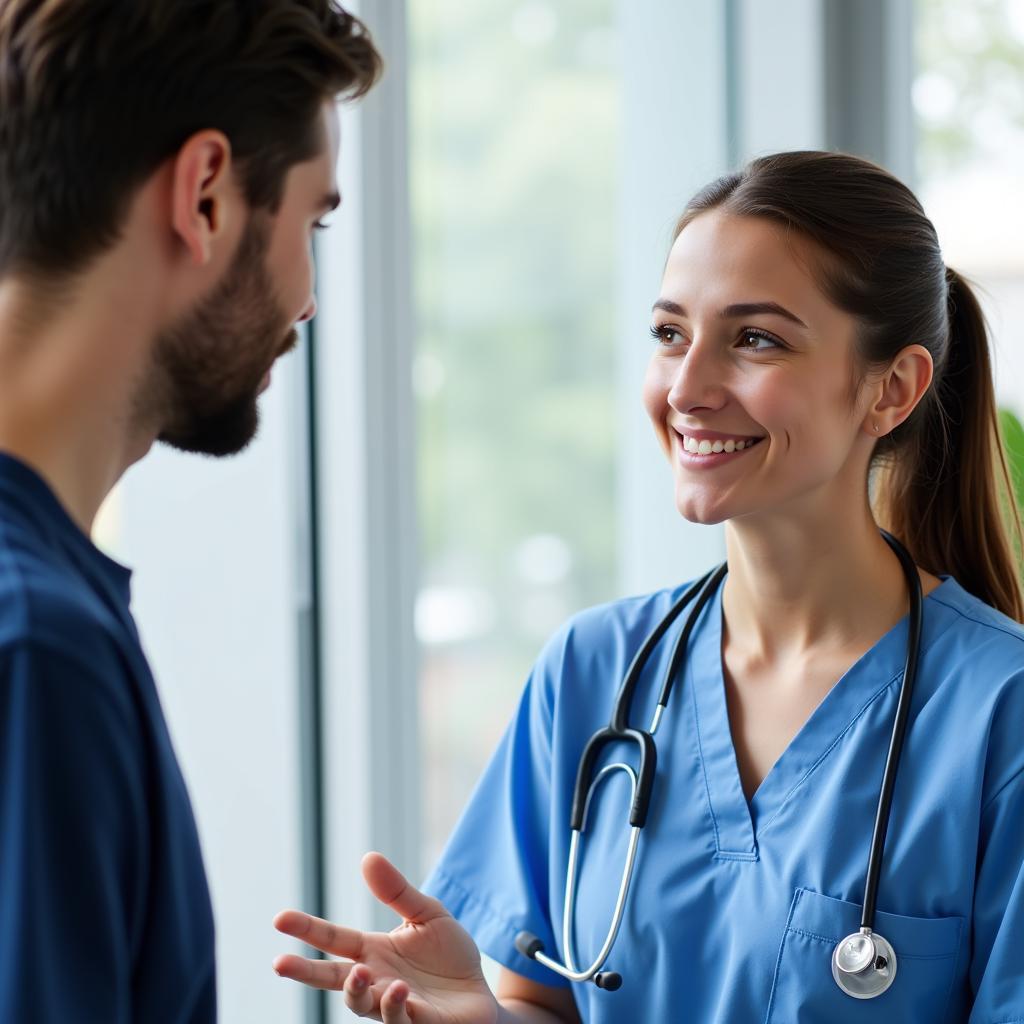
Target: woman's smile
705 449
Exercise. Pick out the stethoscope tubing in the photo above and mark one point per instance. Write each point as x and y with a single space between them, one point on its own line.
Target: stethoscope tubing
619 729
568 942
641 786
899 732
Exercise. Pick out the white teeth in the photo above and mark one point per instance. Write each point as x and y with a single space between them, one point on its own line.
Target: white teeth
695 447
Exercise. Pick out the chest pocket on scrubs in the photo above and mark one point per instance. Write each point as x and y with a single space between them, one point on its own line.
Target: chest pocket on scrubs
804 991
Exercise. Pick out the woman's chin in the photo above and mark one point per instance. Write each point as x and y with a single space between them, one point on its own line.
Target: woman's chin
703 506
698 512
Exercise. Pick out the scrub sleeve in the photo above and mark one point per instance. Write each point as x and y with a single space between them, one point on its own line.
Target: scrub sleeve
997 963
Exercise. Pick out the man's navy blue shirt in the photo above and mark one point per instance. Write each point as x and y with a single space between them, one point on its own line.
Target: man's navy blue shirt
104 909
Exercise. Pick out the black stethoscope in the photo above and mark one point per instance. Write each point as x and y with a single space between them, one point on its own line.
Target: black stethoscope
864 963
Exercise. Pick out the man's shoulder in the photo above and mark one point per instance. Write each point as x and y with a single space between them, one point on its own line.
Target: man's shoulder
47 607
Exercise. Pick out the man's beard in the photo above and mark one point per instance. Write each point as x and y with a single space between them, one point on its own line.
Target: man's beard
207 369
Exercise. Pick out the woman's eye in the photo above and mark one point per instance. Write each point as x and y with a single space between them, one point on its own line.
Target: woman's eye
666 335
758 341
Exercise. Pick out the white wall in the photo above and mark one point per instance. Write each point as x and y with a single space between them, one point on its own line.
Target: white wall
211 542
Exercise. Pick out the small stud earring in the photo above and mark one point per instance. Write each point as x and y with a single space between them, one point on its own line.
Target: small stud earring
875 425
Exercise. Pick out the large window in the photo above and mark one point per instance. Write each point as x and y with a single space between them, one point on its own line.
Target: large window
969 103
515 110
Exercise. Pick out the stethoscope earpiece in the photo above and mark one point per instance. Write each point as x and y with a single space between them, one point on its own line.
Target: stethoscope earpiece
529 945
864 964
533 949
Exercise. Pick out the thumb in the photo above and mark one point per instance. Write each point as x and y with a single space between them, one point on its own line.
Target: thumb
391 887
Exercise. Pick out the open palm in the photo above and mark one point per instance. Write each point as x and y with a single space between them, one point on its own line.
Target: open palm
426 970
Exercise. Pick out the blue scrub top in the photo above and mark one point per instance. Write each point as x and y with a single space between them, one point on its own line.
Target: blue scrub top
736 906
105 915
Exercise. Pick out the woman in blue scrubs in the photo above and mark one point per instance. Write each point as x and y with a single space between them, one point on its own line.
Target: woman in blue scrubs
816 372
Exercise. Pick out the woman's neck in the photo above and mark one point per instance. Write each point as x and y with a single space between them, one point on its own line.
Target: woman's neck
797 587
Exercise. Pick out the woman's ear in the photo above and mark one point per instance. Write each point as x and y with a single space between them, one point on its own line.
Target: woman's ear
900 389
201 193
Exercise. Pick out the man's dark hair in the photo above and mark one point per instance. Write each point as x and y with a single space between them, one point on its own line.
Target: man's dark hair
96 94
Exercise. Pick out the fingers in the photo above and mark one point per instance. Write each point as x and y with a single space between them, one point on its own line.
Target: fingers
390 886
359 997
394 1004
355 980
321 934
327 974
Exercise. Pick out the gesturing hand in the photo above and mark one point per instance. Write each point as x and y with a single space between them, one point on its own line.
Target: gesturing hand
426 970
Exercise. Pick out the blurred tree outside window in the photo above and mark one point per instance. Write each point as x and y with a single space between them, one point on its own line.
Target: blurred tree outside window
514 123
969 105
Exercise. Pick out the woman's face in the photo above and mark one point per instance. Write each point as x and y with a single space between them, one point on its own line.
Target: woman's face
749 385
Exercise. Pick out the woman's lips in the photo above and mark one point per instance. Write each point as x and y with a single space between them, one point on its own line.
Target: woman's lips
706 451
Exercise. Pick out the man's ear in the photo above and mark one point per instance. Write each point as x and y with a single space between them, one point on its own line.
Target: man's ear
202 193
902 386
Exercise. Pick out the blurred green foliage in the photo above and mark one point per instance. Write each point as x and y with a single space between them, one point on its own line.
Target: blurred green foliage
1013 439
969 100
514 113
971 94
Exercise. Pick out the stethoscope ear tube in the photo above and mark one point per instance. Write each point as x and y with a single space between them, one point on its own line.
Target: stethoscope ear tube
708 586
624 698
642 782
899 732
645 776
618 728
864 964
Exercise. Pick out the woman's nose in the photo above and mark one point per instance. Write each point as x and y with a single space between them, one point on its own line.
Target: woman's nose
699 380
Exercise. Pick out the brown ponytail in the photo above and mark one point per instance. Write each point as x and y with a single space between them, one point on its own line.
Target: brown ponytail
940 479
947 492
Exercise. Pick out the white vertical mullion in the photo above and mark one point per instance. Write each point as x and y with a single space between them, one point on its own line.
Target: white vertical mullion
780 66
673 141
900 128
391 449
868 74
367 493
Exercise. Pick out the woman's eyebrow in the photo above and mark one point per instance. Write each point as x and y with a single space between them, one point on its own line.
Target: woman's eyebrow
752 308
736 310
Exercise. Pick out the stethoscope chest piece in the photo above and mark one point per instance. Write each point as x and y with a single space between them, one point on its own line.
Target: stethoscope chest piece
864 965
